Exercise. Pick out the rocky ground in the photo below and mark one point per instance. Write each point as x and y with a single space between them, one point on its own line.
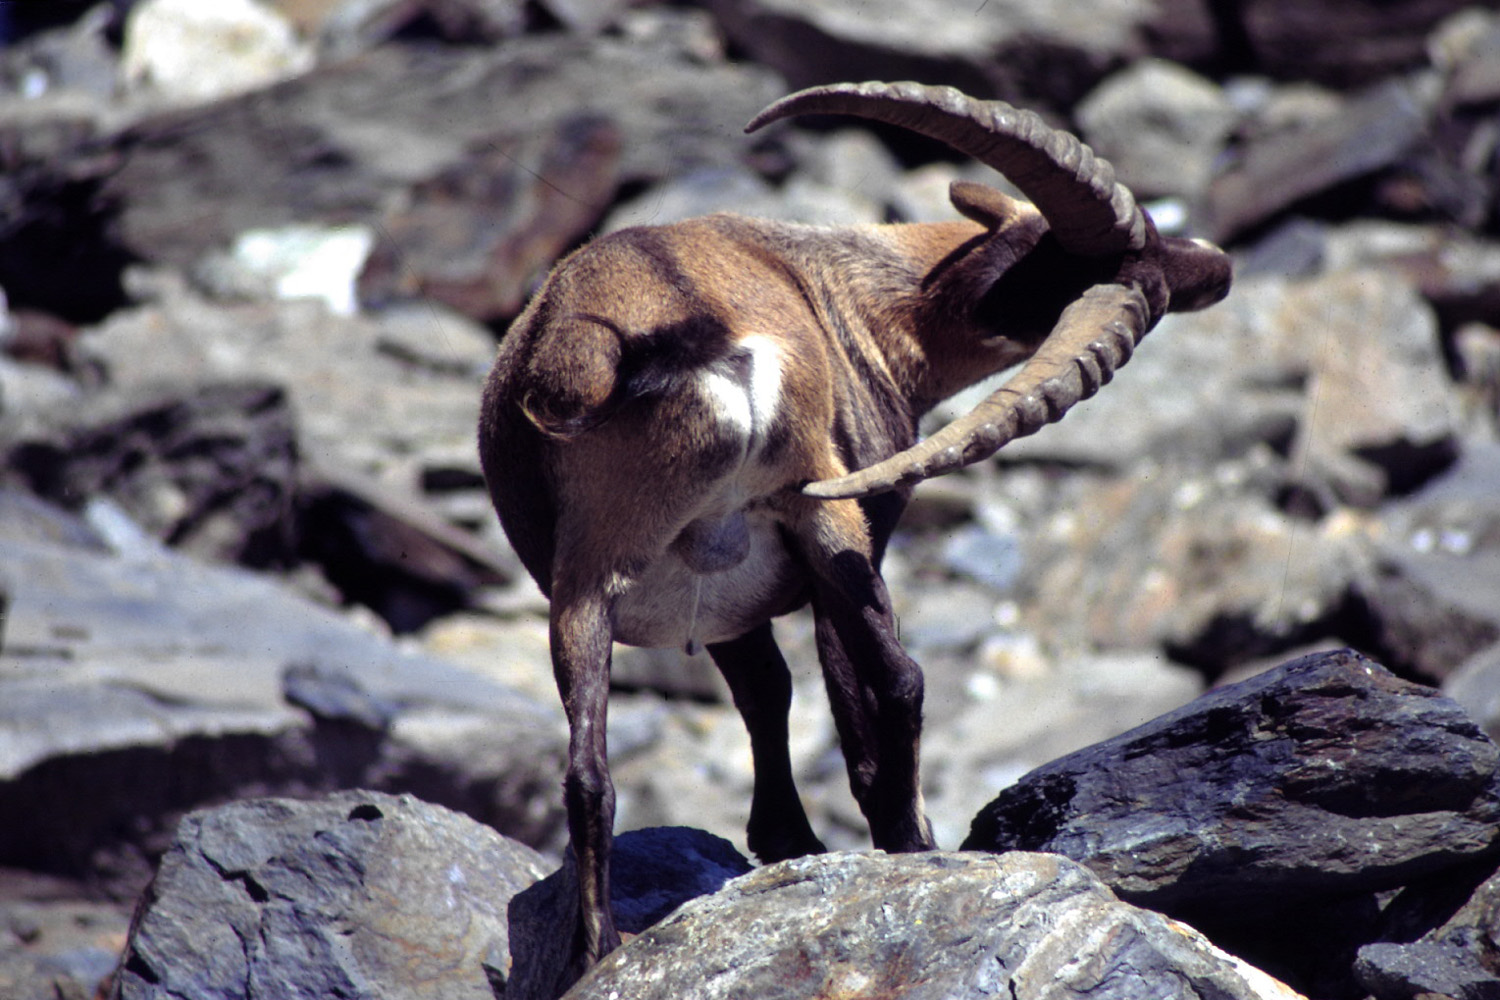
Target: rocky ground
252 287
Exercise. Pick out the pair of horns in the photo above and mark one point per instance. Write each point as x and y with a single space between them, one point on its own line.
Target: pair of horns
1089 214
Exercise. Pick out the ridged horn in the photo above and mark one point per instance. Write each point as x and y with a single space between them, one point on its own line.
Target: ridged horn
1095 335
1076 192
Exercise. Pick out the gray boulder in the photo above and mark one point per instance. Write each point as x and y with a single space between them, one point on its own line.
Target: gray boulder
149 684
356 895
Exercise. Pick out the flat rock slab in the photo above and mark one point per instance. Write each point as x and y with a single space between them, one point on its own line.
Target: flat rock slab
357 895
938 925
1326 775
133 689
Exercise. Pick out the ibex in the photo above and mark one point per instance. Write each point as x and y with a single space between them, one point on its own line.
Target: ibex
697 427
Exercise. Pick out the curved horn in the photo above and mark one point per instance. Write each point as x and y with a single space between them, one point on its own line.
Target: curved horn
1095 335
1088 212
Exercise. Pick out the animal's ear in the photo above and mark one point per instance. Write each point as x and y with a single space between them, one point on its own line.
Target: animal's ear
982 203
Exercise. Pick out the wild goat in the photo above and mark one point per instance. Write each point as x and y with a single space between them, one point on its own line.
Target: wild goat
697 427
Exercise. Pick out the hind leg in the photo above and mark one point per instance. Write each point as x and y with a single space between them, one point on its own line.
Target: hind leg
762 688
874 688
581 644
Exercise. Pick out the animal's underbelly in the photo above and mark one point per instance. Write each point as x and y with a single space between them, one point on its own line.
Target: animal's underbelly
671 604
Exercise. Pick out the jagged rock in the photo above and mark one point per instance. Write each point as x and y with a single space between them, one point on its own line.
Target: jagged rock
357 895
1326 776
1345 371
215 468
1389 419
652 873
150 684
422 366
919 926
1250 359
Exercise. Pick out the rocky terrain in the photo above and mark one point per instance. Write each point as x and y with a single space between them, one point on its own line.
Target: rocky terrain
255 259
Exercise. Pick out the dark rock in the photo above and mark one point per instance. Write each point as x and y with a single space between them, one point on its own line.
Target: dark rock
216 470
353 26
354 895
1419 631
1282 168
389 552
919 926
1438 934
1325 776
209 469
652 873
1404 971
1337 42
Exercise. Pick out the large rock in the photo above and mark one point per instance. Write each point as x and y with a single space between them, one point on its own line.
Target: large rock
149 684
1326 776
920 926
210 468
356 895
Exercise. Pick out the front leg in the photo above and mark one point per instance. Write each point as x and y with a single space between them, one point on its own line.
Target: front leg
581 644
874 688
